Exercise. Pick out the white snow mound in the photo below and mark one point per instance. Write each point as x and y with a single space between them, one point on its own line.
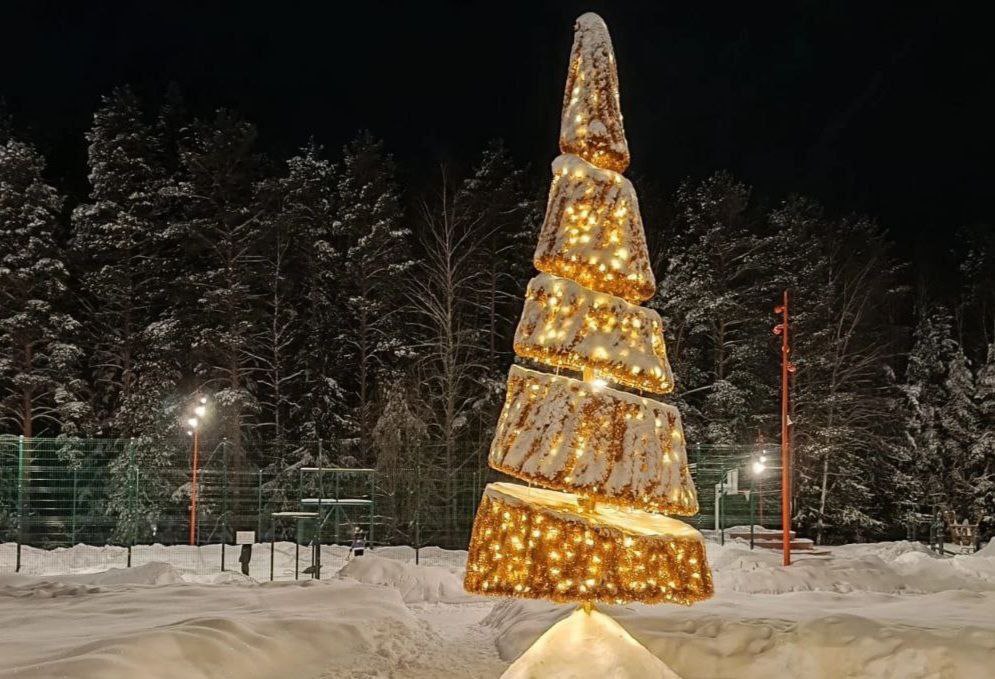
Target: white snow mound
154 573
416 584
304 629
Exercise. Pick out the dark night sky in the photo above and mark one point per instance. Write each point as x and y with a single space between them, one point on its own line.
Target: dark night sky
882 107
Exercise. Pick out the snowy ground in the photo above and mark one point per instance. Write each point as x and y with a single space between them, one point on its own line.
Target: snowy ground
887 610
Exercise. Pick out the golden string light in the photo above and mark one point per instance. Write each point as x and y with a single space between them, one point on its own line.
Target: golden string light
566 325
608 445
535 543
593 232
591 123
609 462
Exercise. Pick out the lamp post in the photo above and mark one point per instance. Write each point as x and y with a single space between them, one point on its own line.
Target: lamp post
194 423
787 368
759 464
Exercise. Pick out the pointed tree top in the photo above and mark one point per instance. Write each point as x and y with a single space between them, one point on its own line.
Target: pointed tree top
591 126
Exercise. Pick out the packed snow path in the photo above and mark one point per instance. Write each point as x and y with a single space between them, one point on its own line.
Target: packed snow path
465 648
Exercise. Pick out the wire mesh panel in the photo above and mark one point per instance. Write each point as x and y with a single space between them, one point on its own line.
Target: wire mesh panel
70 505
738 485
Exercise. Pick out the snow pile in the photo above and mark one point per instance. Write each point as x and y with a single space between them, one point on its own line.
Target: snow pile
987 551
887 610
155 573
416 584
887 567
277 629
452 559
877 611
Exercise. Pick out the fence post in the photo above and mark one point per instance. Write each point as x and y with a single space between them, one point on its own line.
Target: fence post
373 490
20 500
259 507
72 520
224 500
752 519
719 507
417 504
132 497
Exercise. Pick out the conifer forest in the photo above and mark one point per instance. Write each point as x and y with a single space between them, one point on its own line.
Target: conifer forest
331 295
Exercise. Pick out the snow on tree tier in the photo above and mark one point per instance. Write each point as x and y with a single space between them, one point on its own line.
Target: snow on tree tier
607 445
593 232
535 543
591 123
567 325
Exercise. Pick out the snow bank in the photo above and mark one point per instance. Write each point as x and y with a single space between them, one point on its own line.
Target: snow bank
814 634
988 550
887 610
452 559
416 584
879 611
62 585
199 631
888 567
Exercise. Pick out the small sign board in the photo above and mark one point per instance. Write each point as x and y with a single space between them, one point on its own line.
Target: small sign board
245 537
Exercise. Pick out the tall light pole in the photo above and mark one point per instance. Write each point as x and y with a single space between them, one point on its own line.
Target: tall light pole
194 423
787 368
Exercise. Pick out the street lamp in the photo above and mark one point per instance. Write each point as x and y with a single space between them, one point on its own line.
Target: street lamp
759 465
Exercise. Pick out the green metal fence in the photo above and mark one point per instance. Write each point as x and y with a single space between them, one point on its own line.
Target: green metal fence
128 500
738 486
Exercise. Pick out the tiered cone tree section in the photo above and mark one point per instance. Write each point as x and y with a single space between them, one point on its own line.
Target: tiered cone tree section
604 464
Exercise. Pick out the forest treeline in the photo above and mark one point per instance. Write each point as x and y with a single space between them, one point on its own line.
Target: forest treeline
315 298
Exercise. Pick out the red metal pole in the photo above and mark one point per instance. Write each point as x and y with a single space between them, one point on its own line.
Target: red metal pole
785 440
193 487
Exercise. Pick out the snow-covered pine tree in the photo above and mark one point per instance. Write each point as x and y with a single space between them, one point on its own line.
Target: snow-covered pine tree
958 418
399 437
983 448
712 299
313 399
119 240
125 253
40 385
376 246
844 286
933 349
218 296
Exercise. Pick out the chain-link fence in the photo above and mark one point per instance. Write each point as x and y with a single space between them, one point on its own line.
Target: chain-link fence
69 505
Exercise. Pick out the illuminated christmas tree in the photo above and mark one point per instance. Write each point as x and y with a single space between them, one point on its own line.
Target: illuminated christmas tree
608 463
